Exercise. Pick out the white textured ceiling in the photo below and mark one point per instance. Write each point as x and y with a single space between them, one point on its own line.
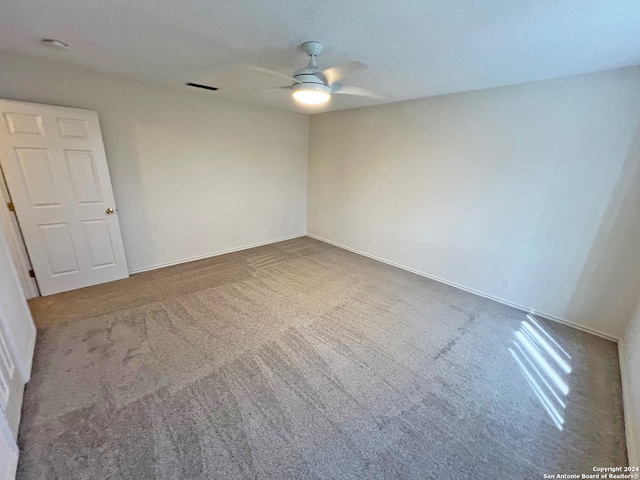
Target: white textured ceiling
413 48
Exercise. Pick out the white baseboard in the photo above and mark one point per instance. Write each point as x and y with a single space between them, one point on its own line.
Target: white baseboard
388 262
471 290
214 254
26 375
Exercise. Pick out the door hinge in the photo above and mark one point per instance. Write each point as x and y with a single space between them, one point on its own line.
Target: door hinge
11 207
32 274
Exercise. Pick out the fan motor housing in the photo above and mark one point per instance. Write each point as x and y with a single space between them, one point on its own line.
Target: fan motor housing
307 77
318 87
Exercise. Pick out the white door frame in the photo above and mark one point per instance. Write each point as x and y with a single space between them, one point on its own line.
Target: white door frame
8 452
18 340
15 243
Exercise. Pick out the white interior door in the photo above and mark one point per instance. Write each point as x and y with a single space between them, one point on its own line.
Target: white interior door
17 341
11 385
11 390
56 170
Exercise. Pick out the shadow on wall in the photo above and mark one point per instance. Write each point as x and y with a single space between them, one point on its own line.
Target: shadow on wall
124 158
609 285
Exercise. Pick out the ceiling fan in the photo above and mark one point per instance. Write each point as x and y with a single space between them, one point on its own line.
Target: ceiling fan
313 86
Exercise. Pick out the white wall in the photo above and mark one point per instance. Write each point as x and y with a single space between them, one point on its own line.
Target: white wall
537 183
630 363
188 169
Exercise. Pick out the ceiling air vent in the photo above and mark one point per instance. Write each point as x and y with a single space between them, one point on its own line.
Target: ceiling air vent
204 87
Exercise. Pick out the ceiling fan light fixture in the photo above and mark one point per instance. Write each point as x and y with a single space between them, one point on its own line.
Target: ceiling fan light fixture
311 93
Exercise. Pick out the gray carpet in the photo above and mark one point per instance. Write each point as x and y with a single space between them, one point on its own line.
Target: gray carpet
302 360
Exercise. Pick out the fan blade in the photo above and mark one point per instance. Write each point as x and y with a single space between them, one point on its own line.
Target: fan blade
286 87
272 72
349 90
333 74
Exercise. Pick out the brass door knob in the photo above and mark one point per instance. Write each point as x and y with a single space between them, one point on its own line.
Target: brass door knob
110 211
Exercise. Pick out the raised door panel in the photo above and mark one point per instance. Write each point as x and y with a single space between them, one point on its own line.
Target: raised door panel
37 173
7 372
84 177
73 128
100 244
24 124
11 383
60 249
